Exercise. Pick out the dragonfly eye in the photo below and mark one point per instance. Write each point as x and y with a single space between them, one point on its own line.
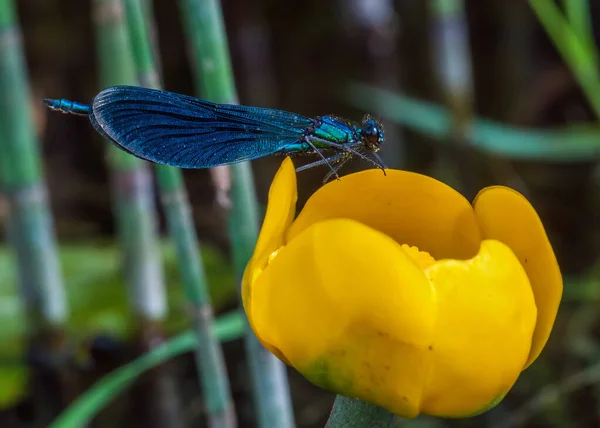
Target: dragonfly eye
372 133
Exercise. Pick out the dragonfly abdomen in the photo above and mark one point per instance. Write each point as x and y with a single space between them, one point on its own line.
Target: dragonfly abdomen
68 107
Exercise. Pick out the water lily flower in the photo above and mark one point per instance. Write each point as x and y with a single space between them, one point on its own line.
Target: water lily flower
395 290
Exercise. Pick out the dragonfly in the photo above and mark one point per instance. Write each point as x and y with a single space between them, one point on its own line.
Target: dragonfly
187 132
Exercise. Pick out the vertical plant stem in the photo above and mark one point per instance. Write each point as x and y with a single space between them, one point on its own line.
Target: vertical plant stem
451 53
580 17
578 55
32 233
173 195
376 31
353 413
152 36
131 177
29 225
453 67
205 30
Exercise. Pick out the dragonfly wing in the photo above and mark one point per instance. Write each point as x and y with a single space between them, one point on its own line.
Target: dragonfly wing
187 132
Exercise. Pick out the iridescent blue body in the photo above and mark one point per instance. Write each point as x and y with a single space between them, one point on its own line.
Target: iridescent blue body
186 132
70 106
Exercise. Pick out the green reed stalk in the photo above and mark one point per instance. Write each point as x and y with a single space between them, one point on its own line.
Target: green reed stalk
452 61
131 178
152 36
214 81
574 43
579 14
209 356
30 221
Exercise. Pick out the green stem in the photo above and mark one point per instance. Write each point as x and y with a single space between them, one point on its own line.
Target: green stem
131 177
580 17
209 356
32 233
214 81
578 54
353 413
226 328
453 60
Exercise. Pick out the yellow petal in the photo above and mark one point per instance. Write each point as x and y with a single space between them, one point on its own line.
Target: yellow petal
486 317
411 208
506 215
350 310
281 209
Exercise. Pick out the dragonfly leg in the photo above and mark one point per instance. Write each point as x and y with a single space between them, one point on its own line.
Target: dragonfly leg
340 163
378 162
322 157
346 148
332 160
382 164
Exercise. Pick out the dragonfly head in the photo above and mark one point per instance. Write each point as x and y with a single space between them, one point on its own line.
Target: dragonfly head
371 133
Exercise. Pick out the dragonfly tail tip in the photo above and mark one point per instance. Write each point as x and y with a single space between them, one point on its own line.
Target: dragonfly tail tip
67 107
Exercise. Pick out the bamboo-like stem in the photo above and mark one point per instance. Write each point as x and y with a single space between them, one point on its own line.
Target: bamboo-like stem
131 177
453 67
451 54
29 223
152 37
377 29
209 356
214 81
31 229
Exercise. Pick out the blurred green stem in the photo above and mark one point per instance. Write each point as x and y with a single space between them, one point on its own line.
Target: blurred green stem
578 53
579 15
214 81
453 61
131 177
209 356
30 221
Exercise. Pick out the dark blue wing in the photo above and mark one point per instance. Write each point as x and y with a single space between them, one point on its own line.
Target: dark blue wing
178 130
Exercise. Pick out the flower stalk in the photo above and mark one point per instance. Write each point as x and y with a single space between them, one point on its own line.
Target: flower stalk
353 413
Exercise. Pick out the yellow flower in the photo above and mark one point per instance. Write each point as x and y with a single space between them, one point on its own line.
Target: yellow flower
395 290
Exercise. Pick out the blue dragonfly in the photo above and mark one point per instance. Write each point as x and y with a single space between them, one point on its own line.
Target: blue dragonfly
187 132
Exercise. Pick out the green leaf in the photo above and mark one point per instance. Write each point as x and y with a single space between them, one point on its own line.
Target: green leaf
97 298
227 327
